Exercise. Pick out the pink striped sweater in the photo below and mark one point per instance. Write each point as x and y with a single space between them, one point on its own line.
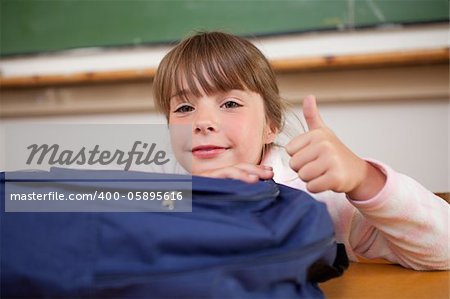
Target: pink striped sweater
404 223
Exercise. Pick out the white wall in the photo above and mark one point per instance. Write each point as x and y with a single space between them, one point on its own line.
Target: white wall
412 137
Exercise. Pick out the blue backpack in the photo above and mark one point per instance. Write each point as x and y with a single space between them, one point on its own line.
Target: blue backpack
262 240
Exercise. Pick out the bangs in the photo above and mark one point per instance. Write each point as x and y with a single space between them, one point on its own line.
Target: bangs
205 78
206 68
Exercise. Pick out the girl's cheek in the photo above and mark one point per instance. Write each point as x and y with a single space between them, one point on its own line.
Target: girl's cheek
180 120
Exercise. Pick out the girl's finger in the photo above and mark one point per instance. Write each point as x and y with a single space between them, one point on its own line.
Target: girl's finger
240 174
233 173
304 156
313 170
298 143
258 170
322 183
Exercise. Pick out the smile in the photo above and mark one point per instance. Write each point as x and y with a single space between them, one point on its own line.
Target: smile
208 151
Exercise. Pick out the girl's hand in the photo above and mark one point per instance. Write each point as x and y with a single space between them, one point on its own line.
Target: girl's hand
325 163
246 172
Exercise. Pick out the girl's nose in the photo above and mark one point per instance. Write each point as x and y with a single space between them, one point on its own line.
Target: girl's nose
206 122
205 127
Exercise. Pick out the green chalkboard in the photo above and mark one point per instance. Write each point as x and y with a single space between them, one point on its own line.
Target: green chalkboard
30 26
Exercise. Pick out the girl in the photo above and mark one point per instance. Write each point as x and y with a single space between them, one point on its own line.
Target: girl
224 88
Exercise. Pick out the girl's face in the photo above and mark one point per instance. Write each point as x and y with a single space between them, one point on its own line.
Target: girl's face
227 129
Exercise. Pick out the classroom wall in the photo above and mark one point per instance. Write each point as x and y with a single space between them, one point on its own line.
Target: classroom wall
412 137
398 115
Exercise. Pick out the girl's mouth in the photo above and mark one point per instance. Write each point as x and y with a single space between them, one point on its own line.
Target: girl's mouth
208 151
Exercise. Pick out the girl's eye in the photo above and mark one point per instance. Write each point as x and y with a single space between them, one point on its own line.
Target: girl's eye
184 109
231 104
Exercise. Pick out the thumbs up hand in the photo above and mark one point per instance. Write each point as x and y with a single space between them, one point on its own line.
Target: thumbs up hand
325 163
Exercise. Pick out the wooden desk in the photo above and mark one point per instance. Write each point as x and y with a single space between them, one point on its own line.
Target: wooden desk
387 281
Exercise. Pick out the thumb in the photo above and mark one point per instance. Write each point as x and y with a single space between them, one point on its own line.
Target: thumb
311 113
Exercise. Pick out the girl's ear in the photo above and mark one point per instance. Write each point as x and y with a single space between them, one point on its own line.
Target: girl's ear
270 134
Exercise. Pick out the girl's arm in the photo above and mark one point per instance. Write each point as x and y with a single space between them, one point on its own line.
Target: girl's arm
378 213
404 223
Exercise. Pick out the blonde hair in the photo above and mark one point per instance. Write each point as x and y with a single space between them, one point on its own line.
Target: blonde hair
219 62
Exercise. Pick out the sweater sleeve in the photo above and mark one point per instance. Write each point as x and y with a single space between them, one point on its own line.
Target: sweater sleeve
404 223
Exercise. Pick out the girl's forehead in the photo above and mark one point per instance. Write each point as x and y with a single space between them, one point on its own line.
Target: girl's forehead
188 84
202 79
185 88
184 81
